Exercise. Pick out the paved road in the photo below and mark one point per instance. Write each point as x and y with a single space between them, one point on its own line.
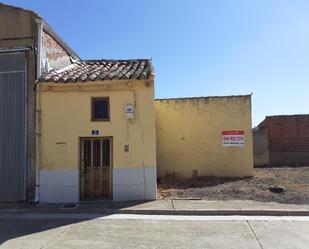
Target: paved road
146 231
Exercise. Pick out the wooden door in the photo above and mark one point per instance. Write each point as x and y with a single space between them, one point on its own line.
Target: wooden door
96 168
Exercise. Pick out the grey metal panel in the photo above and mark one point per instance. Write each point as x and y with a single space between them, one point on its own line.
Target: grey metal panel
12 128
12 62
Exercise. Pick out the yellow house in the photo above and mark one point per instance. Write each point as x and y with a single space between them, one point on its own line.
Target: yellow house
97 132
206 136
93 129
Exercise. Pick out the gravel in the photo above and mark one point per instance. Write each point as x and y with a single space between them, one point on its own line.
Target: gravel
294 181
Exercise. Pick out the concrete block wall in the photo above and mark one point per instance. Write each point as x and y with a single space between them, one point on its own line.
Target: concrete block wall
260 146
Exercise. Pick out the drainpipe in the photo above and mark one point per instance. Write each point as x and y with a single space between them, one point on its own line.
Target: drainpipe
38 143
38 111
39 41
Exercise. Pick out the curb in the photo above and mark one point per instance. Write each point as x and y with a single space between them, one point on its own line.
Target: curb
218 212
227 212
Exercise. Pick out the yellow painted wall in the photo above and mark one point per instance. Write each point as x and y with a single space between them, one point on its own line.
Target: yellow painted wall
189 136
66 116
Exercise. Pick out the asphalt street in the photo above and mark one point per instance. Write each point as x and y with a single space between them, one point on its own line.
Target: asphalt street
152 231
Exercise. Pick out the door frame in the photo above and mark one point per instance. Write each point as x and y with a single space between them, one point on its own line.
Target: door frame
80 139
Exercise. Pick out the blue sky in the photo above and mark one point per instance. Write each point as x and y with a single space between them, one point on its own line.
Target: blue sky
199 47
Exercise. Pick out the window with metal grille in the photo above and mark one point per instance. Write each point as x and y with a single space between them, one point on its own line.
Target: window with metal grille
100 109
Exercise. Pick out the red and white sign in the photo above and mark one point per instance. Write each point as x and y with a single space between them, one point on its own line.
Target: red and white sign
233 138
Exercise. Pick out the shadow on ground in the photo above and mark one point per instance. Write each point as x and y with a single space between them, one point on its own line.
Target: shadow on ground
16 220
12 228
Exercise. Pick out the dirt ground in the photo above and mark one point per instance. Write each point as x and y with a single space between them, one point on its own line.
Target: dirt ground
295 182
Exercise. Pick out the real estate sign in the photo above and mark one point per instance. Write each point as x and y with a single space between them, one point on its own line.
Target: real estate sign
233 138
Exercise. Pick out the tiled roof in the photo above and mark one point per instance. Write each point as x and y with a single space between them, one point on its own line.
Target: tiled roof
91 70
288 116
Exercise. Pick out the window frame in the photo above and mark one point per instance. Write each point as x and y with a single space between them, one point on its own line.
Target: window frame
93 119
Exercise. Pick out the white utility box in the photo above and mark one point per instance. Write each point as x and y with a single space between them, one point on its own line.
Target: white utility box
129 111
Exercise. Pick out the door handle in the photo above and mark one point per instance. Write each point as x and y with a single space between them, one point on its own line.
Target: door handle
82 170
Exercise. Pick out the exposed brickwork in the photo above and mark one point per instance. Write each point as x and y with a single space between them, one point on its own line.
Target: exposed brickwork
53 50
286 143
53 54
288 133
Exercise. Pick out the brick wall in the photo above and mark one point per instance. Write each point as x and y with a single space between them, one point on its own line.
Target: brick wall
53 54
288 133
288 139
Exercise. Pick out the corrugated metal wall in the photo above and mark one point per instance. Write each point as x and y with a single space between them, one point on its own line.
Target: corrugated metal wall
12 126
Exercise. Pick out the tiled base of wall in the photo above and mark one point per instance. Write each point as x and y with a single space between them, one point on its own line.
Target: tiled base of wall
57 186
62 186
134 184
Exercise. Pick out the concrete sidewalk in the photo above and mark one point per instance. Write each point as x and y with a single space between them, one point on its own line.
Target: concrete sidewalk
164 207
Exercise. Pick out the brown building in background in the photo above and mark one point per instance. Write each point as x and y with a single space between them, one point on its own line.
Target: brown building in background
282 141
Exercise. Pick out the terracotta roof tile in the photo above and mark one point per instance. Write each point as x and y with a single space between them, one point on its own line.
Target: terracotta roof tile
92 70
